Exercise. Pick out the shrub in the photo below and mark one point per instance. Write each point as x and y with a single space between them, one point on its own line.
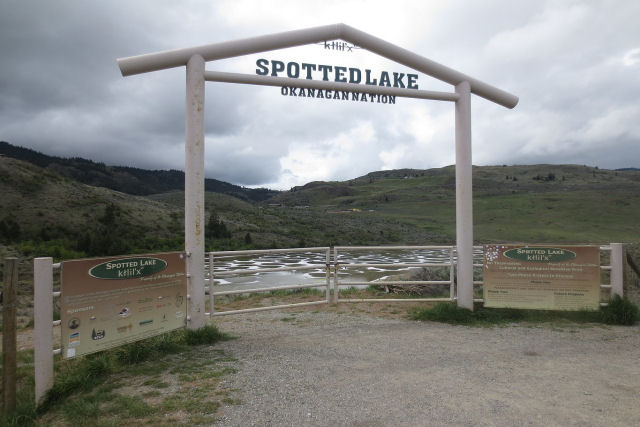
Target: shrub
205 335
136 352
620 311
445 312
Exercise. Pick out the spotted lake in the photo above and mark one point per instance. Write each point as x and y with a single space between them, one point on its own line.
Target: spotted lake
313 267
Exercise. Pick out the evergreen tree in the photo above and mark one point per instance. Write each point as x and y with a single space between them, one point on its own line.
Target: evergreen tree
216 228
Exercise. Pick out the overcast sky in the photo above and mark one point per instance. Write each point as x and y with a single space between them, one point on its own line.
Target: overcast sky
574 64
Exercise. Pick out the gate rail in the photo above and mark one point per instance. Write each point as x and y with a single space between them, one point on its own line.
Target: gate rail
211 274
337 266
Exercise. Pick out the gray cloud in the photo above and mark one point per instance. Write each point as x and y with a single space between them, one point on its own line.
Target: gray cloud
574 66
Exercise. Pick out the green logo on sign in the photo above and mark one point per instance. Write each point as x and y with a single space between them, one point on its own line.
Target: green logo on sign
534 254
128 268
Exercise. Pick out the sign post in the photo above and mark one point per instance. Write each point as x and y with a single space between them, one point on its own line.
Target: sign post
42 322
464 197
194 191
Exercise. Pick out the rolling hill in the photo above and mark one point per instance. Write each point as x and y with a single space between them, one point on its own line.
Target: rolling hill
49 210
139 182
535 203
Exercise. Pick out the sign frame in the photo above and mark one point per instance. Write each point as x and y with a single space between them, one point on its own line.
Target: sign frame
110 301
542 276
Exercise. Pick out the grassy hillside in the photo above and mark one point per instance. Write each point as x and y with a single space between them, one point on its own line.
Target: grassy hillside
280 226
41 210
45 213
541 203
126 179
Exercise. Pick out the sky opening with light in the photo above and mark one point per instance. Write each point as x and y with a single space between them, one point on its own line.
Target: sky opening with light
575 65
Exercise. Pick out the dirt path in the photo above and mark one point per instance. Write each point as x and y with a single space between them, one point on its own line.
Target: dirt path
330 369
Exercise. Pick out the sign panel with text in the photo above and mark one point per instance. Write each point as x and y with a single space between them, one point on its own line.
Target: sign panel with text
107 302
542 277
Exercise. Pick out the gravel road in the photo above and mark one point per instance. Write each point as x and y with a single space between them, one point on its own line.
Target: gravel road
331 369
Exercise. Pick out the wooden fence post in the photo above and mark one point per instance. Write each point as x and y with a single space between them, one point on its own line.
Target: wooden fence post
9 363
617 257
43 324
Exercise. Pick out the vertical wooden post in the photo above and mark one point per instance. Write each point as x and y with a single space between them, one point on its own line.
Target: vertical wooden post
43 325
9 361
617 265
328 275
211 289
336 267
452 275
194 192
464 197
625 268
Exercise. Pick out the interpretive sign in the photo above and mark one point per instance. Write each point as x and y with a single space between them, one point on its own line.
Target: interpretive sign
108 302
542 277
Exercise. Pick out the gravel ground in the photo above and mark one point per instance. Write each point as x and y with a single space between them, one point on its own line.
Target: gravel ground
331 369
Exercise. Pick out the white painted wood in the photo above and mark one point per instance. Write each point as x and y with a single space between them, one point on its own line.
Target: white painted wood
269 289
452 275
336 282
464 198
218 76
179 57
229 49
194 191
268 270
211 285
417 264
42 326
398 282
234 254
396 300
427 66
274 307
617 269
328 274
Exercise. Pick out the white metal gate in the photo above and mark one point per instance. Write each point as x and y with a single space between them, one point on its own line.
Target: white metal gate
211 274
